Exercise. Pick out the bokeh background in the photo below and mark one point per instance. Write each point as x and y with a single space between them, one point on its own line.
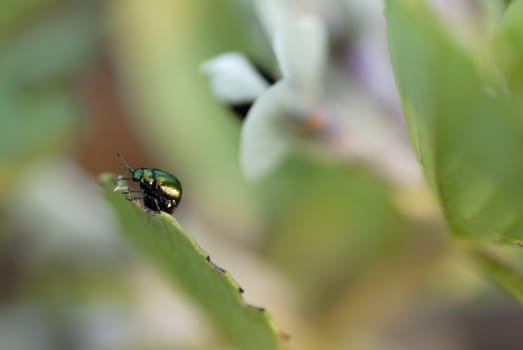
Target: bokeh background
344 252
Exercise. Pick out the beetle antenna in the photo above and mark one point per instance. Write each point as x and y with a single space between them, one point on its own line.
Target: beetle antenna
123 161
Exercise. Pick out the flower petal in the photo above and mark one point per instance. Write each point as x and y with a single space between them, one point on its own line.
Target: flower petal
274 14
301 49
267 133
234 79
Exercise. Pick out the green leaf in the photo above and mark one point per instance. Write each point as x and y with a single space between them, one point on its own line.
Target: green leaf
465 131
506 276
162 239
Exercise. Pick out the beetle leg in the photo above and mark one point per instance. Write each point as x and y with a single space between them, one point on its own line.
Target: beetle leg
120 188
122 177
151 203
132 199
130 191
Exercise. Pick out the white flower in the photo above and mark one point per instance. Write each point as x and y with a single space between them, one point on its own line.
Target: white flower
234 79
276 121
285 116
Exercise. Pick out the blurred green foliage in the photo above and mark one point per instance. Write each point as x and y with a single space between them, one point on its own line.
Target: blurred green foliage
320 202
15 14
501 272
38 107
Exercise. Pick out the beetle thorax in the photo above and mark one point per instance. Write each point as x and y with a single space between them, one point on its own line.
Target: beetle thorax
137 174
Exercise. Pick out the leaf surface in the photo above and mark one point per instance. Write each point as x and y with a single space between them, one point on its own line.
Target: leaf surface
162 239
466 132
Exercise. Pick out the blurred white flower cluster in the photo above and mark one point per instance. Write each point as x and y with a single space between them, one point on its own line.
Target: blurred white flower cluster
346 107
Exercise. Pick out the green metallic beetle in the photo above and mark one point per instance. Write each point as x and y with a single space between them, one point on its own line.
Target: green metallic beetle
159 190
